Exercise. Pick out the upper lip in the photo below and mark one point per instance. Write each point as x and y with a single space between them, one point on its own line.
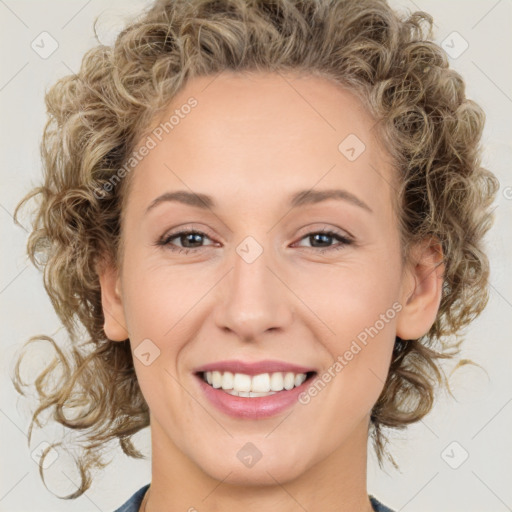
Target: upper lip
253 368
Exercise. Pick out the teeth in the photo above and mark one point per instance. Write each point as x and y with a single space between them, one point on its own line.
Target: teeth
242 382
249 394
276 382
261 383
216 379
227 380
289 381
264 384
299 379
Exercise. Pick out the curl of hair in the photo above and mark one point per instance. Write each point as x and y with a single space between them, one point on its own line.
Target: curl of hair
95 117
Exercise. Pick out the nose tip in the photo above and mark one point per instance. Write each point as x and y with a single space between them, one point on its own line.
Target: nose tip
254 301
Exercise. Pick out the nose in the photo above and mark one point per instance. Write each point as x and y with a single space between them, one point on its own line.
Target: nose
254 298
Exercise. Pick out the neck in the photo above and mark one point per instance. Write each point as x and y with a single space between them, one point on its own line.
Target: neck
335 484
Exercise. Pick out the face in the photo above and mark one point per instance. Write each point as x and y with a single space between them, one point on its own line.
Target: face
262 278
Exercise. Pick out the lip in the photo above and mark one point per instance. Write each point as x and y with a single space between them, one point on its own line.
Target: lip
253 368
252 408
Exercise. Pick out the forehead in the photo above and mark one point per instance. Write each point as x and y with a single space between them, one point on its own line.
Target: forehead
260 136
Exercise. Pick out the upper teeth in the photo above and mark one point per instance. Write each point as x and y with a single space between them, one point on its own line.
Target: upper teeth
262 383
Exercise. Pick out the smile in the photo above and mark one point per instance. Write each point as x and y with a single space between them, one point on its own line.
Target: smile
252 386
253 390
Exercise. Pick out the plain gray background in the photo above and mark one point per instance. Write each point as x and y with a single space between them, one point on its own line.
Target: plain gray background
477 425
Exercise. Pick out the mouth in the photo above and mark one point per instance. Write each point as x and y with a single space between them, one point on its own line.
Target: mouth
254 386
253 390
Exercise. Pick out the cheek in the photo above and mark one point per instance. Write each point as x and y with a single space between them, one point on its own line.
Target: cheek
359 303
351 297
165 304
157 295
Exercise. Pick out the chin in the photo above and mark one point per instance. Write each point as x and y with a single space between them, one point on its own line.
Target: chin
266 471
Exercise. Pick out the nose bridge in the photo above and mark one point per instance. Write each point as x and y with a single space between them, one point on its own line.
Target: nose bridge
255 299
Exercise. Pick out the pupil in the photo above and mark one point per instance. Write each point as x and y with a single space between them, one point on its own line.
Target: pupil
193 235
324 236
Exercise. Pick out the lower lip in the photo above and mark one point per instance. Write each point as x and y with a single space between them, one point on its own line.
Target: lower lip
252 408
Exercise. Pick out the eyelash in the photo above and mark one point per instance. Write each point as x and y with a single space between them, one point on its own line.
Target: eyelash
165 240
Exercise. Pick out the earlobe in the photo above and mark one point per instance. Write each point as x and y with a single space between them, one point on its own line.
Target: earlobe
111 301
422 290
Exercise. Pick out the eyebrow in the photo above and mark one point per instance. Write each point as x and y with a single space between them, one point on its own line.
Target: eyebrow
300 198
304 197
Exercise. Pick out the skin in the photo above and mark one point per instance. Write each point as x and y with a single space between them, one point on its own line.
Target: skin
252 141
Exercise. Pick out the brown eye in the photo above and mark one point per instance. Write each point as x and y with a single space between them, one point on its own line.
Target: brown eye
189 240
325 237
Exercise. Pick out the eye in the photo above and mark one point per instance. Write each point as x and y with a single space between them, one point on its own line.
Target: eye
189 239
324 236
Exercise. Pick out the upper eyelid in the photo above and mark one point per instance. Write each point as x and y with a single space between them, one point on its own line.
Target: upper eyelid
307 230
185 231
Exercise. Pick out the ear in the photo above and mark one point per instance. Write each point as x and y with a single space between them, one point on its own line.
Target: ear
422 290
111 301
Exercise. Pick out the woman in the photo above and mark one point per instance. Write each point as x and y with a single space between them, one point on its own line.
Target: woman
269 217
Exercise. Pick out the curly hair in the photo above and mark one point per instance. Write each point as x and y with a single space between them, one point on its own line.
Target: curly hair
95 118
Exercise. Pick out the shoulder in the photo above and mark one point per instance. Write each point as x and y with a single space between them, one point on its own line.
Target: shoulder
133 504
377 505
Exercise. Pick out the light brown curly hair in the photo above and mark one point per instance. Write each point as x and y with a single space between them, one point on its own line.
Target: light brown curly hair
96 117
